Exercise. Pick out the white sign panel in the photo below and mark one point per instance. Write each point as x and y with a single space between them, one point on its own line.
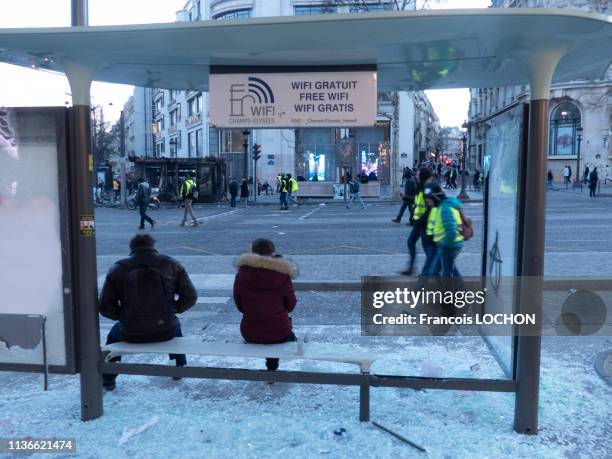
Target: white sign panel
274 100
30 239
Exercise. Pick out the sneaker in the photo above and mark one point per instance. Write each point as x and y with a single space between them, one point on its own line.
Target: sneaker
407 272
182 224
395 220
141 227
109 385
195 223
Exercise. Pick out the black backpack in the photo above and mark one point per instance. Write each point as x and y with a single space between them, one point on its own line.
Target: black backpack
146 311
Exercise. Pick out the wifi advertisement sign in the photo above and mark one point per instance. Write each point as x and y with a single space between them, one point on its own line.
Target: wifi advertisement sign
304 99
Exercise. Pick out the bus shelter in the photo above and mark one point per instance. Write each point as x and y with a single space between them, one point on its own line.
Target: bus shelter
406 50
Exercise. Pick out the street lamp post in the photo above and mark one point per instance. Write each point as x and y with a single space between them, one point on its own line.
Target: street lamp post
463 196
579 130
245 145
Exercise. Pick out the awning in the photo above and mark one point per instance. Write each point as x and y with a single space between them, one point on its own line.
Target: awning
412 50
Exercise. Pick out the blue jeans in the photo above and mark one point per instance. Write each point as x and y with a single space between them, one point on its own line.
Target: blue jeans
233 200
116 335
431 266
444 261
356 196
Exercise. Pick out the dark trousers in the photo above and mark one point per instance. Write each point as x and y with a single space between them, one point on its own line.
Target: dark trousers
418 231
431 267
406 204
233 200
272 364
116 335
283 199
143 215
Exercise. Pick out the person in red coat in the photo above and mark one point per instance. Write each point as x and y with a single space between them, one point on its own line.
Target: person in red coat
264 293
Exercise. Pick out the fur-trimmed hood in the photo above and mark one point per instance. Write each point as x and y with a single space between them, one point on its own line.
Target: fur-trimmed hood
280 265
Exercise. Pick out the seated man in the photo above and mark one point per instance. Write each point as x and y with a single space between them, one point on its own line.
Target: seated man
139 292
264 293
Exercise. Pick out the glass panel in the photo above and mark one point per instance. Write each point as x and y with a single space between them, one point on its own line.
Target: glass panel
30 226
502 159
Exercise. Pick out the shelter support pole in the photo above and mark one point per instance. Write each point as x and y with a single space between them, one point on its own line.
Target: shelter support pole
84 243
528 345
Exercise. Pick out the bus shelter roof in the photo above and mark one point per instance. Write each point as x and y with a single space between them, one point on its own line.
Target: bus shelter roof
412 50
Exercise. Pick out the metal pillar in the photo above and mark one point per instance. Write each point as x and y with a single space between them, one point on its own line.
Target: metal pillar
79 12
245 145
463 196
123 190
84 243
528 343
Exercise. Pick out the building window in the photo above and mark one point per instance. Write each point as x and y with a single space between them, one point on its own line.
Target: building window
159 103
564 121
309 10
160 149
213 141
174 117
194 105
172 93
158 125
174 146
368 7
191 144
234 14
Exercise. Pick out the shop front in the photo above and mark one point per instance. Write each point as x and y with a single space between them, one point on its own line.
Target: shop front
324 157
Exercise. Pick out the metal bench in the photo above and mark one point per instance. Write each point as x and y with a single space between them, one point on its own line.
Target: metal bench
286 351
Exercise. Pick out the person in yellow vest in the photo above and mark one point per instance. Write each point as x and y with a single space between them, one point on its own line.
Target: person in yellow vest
419 222
116 188
446 228
293 188
189 191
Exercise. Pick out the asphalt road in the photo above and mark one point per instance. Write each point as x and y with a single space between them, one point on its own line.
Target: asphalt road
578 236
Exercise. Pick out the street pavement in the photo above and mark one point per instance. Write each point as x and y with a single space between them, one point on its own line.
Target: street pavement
332 242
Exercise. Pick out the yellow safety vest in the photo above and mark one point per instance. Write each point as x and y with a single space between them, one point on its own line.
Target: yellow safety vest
438 228
431 220
294 185
419 206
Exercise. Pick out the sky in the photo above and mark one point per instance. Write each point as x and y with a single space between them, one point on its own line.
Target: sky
26 87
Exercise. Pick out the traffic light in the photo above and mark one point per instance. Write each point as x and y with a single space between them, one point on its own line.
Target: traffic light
256 151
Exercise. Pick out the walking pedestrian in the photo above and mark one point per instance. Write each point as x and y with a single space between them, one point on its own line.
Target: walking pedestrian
585 176
264 294
355 193
593 179
233 191
142 198
283 188
292 189
607 175
189 192
549 180
244 191
419 222
407 197
447 227
565 173
143 293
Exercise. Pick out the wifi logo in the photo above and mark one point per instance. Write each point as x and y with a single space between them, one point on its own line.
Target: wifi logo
254 98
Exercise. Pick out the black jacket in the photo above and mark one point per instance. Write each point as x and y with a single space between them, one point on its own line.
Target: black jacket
233 187
409 188
177 282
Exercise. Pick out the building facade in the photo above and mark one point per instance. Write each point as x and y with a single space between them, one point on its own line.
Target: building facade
580 112
406 129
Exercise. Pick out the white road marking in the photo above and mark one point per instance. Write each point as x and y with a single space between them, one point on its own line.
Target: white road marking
310 213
